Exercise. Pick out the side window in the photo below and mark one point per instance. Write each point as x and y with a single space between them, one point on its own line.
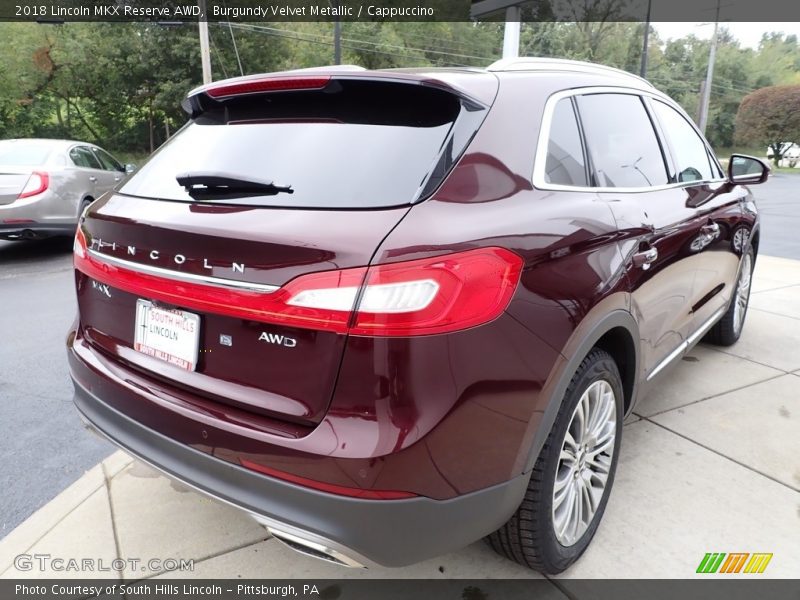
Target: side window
621 141
691 157
565 164
83 157
716 171
107 161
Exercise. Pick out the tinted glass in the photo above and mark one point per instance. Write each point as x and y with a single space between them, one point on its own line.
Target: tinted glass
691 156
107 161
565 164
83 157
358 145
621 141
23 154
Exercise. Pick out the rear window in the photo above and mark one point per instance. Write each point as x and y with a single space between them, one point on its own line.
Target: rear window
355 144
23 154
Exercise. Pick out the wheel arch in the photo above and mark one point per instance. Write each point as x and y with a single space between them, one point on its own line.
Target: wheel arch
85 199
755 239
616 333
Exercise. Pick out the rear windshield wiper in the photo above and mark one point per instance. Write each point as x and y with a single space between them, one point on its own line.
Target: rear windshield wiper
216 184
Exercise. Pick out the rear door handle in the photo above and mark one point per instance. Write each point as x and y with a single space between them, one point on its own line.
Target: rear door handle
93 179
645 258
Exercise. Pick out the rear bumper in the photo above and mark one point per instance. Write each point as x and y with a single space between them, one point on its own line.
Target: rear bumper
391 533
35 230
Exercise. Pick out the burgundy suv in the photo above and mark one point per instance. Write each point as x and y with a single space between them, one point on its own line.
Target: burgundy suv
388 313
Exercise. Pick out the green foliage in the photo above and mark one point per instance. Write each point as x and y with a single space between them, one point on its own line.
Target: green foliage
770 117
121 84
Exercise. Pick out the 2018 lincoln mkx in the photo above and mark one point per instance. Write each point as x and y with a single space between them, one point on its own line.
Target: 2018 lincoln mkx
389 313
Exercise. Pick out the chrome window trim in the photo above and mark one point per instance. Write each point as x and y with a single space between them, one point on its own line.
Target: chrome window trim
188 277
540 158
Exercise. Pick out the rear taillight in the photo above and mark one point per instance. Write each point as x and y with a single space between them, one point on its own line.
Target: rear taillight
418 297
266 84
79 246
37 183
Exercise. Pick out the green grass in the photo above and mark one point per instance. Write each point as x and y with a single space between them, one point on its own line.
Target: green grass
724 154
136 158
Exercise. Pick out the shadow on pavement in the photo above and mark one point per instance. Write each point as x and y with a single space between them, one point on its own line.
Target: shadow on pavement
28 251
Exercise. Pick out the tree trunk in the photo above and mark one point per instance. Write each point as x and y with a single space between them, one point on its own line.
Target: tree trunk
150 110
60 117
78 112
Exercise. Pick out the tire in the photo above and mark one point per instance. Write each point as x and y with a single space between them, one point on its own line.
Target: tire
84 203
728 329
530 537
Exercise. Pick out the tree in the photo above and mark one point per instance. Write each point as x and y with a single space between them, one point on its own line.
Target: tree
770 116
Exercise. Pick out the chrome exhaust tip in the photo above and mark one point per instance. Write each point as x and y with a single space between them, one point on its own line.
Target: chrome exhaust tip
314 549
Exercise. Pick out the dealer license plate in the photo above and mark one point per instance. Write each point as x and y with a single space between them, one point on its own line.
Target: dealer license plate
170 335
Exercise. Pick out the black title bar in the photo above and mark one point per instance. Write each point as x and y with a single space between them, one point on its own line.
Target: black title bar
182 11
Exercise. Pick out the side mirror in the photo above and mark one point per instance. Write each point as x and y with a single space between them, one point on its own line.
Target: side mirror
743 169
129 168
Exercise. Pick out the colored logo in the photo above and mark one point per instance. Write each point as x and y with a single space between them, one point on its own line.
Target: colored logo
734 562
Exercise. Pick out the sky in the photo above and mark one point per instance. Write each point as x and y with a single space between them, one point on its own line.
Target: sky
748 34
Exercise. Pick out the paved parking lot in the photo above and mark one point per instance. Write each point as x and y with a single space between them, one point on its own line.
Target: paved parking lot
779 206
708 464
42 442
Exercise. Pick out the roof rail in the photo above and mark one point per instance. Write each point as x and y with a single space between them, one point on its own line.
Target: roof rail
525 63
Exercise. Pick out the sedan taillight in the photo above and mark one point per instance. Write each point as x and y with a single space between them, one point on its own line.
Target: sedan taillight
37 183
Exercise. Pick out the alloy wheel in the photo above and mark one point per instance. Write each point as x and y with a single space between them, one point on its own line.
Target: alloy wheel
742 293
584 462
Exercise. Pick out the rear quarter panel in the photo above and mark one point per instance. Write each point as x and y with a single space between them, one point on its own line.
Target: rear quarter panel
478 397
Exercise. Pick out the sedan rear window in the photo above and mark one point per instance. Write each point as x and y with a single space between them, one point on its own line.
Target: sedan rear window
361 144
23 154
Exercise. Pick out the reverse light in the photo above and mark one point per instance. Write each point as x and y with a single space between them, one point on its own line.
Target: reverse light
267 84
389 298
37 183
419 297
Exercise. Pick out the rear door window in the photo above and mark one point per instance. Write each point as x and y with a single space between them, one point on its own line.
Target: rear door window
359 144
689 150
82 157
622 143
106 160
565 164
